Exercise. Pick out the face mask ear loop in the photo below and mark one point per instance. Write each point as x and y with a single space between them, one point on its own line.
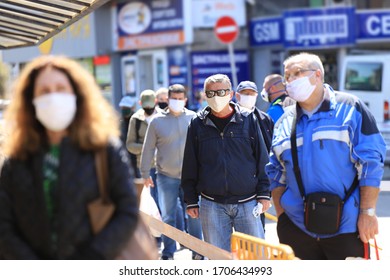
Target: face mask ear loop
274 84
272 93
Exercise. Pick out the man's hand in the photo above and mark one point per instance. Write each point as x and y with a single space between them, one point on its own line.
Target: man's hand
148 182
368 227
193 212
266 204
276 194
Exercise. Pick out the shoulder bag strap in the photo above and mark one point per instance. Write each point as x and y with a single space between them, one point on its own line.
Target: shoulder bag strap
297 171
137 127
102 173
354 185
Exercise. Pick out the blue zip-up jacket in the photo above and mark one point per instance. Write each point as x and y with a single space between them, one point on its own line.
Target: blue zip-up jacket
340 139
227 166
275 110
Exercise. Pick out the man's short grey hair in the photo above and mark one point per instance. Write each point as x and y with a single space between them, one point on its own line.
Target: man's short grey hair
313 61
162 91
271 79
217 78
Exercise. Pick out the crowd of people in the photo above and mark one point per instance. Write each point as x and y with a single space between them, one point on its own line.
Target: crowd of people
315 152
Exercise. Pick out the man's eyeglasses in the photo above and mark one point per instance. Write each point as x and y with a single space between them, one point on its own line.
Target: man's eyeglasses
296 74
219 92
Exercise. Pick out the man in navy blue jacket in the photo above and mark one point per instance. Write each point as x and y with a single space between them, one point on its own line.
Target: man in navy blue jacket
224 162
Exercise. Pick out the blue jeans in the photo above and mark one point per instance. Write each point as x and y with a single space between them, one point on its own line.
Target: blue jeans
169 191
218 221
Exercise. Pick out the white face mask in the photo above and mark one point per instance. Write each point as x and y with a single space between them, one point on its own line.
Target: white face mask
176 105
248 101
264 95
300 89
218 103
55 111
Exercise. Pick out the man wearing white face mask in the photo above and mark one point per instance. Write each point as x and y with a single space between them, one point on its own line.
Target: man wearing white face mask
274 92
326 147
166 133
224 161
246 95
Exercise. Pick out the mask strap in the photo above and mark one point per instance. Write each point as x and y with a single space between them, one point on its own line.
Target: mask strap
274 84
272 93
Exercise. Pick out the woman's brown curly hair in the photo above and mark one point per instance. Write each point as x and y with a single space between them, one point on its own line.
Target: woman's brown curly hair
94 123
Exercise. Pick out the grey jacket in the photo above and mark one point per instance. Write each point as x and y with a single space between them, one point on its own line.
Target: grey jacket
166 133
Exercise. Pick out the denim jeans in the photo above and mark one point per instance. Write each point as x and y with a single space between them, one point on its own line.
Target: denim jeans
218 221
169 191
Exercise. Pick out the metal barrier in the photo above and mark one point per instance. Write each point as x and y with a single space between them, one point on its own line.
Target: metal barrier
247 247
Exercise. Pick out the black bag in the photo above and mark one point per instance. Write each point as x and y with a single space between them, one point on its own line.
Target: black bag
323 212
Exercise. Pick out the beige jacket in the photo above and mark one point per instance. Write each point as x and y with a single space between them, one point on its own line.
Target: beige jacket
132 145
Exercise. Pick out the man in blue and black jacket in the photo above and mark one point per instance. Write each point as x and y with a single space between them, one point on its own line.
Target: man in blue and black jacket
224 162
337 139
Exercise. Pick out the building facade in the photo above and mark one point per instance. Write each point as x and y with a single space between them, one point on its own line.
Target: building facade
134 45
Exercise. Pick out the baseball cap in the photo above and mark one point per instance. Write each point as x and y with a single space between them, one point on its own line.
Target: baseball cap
127 101
246 85
148 98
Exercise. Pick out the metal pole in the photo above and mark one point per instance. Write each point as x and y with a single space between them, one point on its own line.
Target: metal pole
233 65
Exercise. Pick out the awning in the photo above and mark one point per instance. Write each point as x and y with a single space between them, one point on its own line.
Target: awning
25 23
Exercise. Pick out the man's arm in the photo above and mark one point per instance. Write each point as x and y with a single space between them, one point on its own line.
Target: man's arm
370 150
189 174
148 151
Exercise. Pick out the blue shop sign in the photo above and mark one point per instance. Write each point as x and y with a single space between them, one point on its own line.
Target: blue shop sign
177 65
266 31
141 17
149 24
319 28
205 64
373 25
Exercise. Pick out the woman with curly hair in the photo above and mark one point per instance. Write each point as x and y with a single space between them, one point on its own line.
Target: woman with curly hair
56 122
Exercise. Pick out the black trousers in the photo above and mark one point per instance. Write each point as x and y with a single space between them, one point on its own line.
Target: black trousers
306 247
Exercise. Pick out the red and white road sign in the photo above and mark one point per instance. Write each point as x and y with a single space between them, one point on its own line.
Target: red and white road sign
226 29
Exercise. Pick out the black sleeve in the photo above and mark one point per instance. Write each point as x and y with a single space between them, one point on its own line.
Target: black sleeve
266 126
189 174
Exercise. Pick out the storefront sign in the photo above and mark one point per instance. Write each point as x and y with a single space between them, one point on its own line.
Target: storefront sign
147 24
205 64
319 28
373 25
207 12
177 63
266 31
